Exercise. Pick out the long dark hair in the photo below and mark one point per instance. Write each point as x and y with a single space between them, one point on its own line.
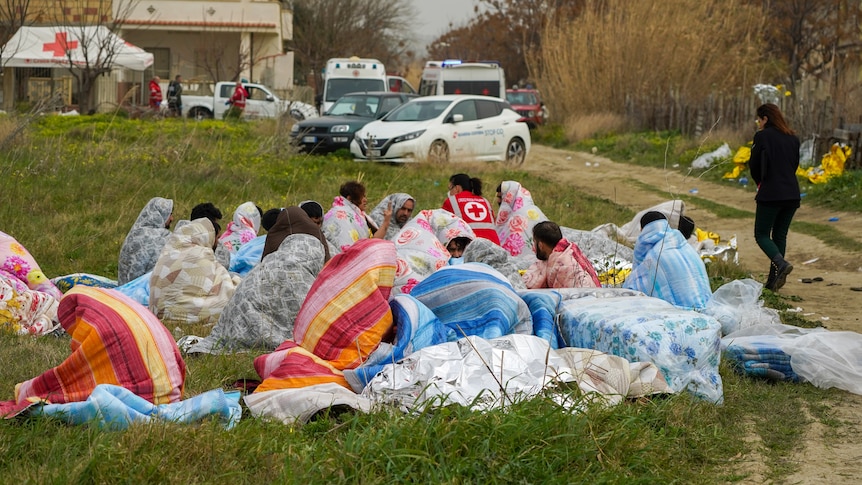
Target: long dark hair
472 185
774 118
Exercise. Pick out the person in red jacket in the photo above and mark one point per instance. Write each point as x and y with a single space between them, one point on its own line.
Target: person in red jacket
237 102
155 93
465 201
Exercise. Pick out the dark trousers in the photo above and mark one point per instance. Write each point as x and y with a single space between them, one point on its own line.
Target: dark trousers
771 224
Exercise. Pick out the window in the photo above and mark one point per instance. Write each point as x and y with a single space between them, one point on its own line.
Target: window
488 108
467 109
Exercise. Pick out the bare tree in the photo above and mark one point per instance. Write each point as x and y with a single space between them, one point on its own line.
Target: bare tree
323 29
99 49
14 14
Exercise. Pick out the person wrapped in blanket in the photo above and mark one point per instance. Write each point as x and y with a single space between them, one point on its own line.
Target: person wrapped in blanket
516 217
665 266
344 318
402 209
250 254
115 341
188 285
19 266
145 240
561 263
262 311
422 246
346 222
243 228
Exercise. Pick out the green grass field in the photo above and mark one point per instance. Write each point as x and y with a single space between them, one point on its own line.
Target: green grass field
72 187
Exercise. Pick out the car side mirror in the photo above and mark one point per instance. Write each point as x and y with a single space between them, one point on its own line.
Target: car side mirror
270 97
456 118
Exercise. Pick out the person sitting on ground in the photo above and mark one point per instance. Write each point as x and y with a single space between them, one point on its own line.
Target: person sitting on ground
465 201
145 240
517 216
262 311
456 248
481 250
21 268
314 211
114 340
243 228
561 263
346 222
290 221
188 285
250 254
402 209
665 266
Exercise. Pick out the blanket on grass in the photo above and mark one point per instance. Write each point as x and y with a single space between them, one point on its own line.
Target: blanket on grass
17 263
24 311
145 240
341 322
682 343
116 408
481 250
114 341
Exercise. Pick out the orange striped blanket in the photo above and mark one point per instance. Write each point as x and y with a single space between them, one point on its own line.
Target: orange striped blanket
342 320
116 341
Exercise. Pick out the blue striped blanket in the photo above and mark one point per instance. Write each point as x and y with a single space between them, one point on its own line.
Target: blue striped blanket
761 358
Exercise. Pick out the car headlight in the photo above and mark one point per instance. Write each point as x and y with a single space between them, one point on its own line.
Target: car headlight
408 136
294 129
531 113
340 129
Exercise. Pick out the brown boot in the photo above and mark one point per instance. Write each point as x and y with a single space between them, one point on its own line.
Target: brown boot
782 269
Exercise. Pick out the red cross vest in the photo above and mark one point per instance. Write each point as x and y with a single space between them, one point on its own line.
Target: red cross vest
476 211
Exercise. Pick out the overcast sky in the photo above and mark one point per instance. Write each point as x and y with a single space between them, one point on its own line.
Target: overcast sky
433 17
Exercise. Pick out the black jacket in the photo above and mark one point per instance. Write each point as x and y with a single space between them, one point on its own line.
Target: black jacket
773 164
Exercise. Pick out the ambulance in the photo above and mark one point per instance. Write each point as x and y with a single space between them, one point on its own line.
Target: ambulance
485 78
351 75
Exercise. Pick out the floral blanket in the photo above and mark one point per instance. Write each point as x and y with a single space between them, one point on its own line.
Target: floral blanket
344 224
242 229
517 216
114 341
17 263
24 311
482 250
421 246
683 344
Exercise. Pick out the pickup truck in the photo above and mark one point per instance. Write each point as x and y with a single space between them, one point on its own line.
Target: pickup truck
261 103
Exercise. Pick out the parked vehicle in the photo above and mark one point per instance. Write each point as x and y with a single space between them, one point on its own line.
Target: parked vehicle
261 103
397 84
485 78
351 112
440 128
351 75
528 103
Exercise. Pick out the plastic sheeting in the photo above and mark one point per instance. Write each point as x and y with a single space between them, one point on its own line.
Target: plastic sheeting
737 305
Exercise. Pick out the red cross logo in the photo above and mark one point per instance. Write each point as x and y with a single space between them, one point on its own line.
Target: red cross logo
60 45
475 211
485 92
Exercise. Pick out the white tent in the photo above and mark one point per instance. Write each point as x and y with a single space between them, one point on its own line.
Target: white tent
53 47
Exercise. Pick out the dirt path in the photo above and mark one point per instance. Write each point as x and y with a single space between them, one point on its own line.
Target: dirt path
830 302
828 454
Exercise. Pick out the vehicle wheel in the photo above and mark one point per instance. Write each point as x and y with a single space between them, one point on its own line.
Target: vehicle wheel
200 114
516 152
439 152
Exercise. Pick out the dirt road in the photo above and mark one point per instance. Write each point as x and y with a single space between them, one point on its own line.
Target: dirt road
830 302
829 454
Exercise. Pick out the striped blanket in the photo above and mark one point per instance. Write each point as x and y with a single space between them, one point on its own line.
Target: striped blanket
762 357
474 299
341 322
416 328
114 341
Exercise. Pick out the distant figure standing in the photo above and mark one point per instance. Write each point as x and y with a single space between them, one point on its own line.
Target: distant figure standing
237 102
155 93
773 163
175 96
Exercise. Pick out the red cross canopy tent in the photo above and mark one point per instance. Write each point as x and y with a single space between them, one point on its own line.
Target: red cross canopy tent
84 45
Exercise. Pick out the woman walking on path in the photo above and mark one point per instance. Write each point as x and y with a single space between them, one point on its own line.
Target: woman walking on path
773 164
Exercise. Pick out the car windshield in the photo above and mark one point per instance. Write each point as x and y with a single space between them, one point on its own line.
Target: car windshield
359 105
418 111
521 98
336 88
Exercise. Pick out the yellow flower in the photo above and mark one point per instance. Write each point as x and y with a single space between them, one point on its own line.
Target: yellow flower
354 235
532 214
17 249
787 93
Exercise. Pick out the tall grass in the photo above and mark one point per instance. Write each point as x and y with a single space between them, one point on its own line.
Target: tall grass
73 187
618 54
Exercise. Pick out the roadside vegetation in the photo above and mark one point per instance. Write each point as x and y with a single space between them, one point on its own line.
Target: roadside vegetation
72 188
